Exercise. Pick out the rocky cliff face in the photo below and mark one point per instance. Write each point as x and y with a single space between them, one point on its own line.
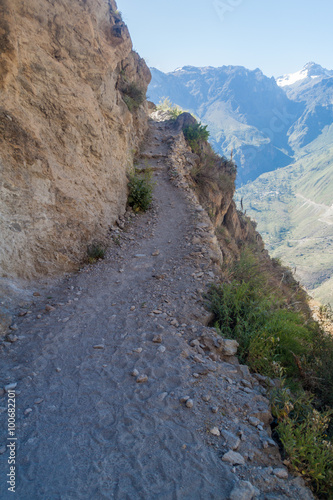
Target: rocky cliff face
67 135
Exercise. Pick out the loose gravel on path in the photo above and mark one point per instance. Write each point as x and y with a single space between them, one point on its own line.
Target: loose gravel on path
113 397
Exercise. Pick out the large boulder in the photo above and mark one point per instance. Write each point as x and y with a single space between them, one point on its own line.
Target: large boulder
184 120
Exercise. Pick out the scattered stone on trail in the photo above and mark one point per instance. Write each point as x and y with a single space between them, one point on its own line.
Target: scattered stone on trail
12 338
157 311
156 253
254 421
194 343
49 308
157 338
281 473
231 440
36 294
189 403
230 347
58 370
244 490
132 308
142 378
233 458
214 409
206 397
14 327
215 431
198 359
161 348
135 373
162 396
98 346
183 399
10 387
38 401
27 411
139 255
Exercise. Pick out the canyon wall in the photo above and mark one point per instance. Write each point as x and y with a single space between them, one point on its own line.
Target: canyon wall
67 132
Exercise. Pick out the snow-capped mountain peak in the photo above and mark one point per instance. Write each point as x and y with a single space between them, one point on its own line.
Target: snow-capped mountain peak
310 70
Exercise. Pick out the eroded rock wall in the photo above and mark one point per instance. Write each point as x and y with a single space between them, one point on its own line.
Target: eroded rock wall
66 135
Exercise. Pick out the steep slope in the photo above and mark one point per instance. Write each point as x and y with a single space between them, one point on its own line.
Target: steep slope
245 111
301 194
294 210
67 135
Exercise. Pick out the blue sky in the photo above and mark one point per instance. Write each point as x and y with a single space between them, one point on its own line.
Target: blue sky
276 36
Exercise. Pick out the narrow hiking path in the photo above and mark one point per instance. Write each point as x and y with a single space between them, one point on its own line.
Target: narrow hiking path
100 374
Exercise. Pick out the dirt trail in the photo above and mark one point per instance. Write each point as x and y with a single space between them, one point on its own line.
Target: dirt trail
86 427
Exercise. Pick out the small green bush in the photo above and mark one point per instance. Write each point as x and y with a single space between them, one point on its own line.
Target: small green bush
175 111
269 334
140 191
196 134
303 433
166 105
133 96
95 251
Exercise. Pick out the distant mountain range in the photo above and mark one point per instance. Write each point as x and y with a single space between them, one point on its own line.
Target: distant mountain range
264 121
281 134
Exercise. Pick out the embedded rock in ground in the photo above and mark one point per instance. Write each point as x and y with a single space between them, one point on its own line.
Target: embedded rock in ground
66 132
230 347
233 458
231 440
244 490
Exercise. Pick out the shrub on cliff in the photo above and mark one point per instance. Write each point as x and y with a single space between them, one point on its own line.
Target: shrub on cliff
173 110
303 432
133 96
195 135
252 308
140 191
